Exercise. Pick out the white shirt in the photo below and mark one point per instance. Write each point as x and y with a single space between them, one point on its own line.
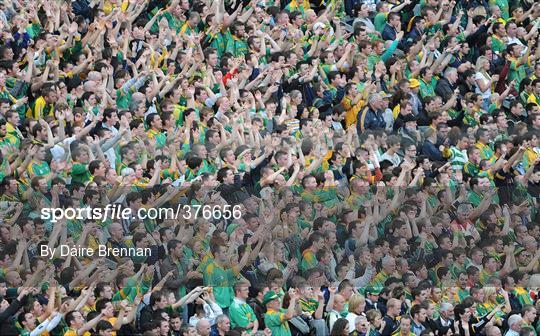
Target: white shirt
334 315
59 150
388 117
367 22
511 40
395 159
351 317
211 312
511 333
481 77
113 129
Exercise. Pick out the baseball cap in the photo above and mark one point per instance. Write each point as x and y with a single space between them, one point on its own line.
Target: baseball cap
518 250
269 296
373 290
414 83
231 228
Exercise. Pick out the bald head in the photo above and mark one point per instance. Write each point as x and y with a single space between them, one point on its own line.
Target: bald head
389 264
493 331
138 96
116 231
94 76
203 327
13 279
90 86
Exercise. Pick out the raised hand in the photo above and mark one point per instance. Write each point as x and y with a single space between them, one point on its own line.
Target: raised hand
293 294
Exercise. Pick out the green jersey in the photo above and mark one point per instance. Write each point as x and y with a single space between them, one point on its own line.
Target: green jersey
523 296
276 322
379 21
517 71
222 281
458 158
39 168
80 173
497 45
475 199
503 6
174 22
241 314
217 41
427 88
236 46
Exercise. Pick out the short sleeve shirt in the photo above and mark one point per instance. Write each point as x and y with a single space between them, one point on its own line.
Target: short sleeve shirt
275 321
241 314
222 281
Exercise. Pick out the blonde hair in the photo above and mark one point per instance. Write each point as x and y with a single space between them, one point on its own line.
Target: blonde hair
355 301
479 67
479 62
372 314
489 291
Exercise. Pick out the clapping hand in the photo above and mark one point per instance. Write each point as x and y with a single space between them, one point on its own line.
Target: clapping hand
293 294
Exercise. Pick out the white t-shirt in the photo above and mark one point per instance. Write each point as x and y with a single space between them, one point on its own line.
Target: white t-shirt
395 159
59 150
512 40
480 77
388 117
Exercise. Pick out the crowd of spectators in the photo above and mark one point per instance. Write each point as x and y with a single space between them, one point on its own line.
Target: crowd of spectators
340 167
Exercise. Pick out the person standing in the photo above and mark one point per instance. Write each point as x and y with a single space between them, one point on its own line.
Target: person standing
276 318
241 313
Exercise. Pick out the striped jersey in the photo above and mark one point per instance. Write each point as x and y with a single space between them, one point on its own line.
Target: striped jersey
458 158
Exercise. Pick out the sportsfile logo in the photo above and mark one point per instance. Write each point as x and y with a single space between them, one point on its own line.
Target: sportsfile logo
116 212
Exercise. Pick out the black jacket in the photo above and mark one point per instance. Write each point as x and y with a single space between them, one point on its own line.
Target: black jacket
475 326
146 316
389 33
445 89
259 309
7 322
376 305
391 325
432 152
439 323
234 193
